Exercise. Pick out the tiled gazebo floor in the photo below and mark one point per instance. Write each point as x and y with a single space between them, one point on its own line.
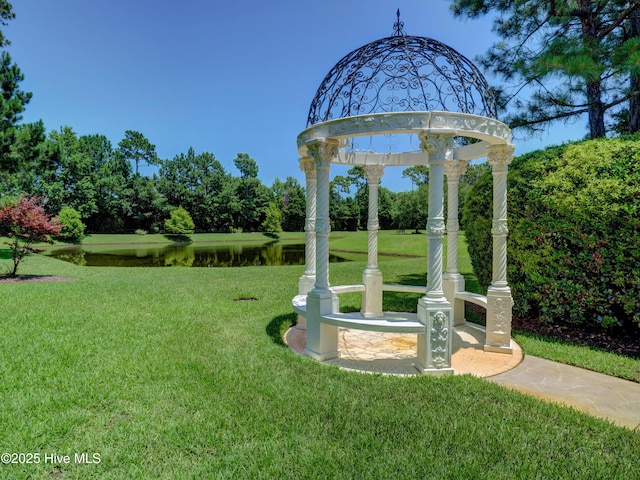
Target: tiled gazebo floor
395 353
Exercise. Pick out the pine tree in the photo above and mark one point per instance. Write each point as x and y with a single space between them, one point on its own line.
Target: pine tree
561 59
180 223
12 104
273 219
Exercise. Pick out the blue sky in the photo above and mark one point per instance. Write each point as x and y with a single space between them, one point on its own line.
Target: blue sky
219 76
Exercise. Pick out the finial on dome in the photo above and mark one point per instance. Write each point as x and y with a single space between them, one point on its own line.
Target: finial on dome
398 26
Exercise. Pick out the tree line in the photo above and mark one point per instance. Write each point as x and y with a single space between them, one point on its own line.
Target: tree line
104 185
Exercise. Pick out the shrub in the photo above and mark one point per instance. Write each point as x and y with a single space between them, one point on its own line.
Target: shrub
140 231
273 219
24 222
574 221
72 226
180 222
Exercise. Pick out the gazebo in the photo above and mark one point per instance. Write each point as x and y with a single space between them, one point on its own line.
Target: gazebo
404 88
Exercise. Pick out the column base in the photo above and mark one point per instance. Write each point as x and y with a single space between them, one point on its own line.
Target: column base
321 357
507 350
435 372
372 295
452 283
434 346
322 339
498 329
306 284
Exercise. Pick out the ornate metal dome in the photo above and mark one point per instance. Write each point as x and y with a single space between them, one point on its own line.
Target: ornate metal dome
402 73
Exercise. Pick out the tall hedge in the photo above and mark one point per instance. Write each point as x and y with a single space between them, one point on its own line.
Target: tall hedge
574 241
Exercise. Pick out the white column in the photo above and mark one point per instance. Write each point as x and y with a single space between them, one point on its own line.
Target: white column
322 154
452 281
440 148
499 300
434 310
308 166
372 276
307 280
322 339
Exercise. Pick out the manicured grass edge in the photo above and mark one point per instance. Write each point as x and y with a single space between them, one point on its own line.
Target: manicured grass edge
581 356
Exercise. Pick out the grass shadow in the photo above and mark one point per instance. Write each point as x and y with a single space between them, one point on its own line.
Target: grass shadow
400 301
177 238
470 281
403 301
406 302
5 254
72 242
279 325
275 236
413 279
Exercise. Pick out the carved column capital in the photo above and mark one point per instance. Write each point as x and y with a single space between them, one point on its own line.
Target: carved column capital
323 152
308 166
373 173
500 156
454 169
439 146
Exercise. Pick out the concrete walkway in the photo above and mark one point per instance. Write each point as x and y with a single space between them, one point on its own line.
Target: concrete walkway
599 395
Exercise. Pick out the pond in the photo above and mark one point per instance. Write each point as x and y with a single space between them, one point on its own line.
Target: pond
185 255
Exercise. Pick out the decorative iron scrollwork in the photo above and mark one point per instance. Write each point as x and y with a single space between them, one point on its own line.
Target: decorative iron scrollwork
402 73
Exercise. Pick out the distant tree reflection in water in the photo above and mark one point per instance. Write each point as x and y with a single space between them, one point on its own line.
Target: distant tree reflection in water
188 255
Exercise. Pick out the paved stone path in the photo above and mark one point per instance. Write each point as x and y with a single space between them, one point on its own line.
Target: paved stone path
600 395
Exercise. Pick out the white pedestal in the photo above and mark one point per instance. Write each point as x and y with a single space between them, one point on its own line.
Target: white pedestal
305 285
452 283
322 339
498 336
434 347
372 295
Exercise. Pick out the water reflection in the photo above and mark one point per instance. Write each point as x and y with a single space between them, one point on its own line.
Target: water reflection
189 255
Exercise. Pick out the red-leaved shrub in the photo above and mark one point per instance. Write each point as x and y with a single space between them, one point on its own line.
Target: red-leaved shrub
24 223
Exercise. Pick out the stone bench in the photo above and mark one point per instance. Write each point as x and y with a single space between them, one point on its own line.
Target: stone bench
391 321
474 298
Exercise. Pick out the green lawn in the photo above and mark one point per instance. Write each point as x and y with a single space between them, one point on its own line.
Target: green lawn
157 238
348 244
165 375
389 242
